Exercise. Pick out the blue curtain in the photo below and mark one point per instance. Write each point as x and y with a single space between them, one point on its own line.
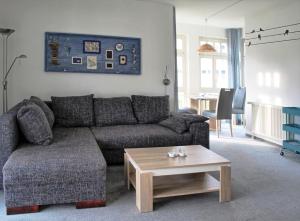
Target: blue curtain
235 58
235 47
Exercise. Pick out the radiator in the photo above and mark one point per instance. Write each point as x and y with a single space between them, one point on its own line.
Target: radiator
266 122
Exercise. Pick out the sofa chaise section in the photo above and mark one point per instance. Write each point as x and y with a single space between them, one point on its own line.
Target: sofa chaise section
114 139
71 169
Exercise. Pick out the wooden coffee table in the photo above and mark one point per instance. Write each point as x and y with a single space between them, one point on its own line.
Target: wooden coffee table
154 175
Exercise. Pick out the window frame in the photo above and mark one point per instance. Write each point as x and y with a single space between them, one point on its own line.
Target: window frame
214 56
183 53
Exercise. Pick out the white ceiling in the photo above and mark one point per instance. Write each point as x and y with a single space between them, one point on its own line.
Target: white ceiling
195 11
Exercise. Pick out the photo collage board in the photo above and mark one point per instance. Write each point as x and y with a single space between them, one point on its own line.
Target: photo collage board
66 52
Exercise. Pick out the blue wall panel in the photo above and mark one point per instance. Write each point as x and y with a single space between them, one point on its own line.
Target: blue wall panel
63 48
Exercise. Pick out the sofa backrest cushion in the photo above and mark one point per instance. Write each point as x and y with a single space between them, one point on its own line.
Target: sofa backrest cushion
34 124
48 112
150 109
75 111
113 111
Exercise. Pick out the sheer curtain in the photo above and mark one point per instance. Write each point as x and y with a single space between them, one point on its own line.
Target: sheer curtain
176 81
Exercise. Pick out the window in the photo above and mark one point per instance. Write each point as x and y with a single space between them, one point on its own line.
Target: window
181 71
214 66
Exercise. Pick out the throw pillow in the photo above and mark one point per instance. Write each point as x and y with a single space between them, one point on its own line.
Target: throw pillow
34 124
113 111
174 123
151 109
48 112
190 118
75 111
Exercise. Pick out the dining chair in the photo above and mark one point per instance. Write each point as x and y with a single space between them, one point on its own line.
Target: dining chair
239 100
223 110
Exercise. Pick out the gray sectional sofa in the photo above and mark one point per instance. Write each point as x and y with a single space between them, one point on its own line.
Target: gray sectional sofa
88 134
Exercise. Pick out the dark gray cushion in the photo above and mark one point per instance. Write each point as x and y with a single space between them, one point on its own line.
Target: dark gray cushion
139 135
48 112
75 111
150 109
174 123
34 124
190 118
113 111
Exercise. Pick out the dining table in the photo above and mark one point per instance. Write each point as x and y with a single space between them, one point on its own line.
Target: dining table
205 102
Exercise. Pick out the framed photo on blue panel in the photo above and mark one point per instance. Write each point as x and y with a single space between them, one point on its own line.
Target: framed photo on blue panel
93 47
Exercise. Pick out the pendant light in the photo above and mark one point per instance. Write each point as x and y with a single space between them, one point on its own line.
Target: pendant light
206 48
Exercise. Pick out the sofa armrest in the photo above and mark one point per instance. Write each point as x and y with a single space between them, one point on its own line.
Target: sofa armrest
9 139
200 133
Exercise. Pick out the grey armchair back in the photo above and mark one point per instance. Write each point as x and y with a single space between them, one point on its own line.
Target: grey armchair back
224 107
239 100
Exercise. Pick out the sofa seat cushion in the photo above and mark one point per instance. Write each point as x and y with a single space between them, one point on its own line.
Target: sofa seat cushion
73 157
113 111
140 135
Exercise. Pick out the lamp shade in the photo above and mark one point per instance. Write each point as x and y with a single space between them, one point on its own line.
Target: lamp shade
206 48
22 56
6 31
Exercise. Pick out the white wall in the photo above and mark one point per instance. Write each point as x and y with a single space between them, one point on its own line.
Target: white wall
153 22
192 33
272 71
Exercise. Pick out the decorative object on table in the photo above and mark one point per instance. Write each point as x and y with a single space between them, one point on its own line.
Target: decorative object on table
122 59
292 129
91 62
181 152
172 154
93 47
119 47
76 60
6 32
109 65
177 152
109 54
61 48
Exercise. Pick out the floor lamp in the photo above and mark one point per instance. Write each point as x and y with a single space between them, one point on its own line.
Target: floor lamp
6 32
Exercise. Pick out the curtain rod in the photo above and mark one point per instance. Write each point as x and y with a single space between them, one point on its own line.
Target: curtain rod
270 42
268 29
266 36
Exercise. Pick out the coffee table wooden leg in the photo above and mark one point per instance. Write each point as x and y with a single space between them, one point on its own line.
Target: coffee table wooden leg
144 191
126 171
225 184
